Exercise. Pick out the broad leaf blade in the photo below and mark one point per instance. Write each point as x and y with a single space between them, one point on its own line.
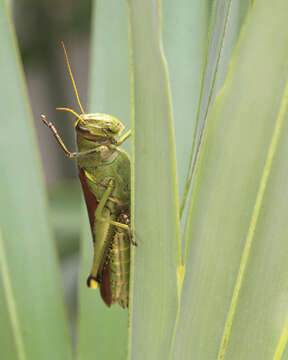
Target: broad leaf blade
227 284
264 281
100 326
30 286
154 297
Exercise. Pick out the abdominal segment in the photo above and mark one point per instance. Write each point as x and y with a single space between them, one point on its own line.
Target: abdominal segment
115 277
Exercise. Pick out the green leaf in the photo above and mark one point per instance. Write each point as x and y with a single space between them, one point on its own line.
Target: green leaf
185 32
99 327
227 18
154 294
234 301
33 315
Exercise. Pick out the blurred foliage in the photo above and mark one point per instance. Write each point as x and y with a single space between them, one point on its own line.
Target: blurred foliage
30 291
41 24
65 209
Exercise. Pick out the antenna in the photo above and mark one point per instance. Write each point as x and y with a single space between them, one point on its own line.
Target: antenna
72 78
73 112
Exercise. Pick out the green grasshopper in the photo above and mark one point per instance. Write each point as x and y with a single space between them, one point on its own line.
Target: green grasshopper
104 172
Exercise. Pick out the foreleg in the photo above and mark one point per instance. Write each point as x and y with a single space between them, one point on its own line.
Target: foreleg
71 155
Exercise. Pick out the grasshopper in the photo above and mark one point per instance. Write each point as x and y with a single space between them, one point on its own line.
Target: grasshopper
104 173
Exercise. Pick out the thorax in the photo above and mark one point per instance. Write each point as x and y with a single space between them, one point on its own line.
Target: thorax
105 151
107 162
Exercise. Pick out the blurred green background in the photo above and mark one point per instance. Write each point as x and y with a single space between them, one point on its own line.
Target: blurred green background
40 26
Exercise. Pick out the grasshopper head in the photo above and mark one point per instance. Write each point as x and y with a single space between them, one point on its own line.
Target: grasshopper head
102 125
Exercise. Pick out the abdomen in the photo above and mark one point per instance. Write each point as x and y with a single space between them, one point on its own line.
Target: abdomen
115 281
